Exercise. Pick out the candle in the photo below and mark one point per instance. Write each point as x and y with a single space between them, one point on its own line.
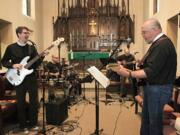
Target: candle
111 36
70 40
70 37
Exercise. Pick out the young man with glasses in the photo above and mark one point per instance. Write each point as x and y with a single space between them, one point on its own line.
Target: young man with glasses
13 55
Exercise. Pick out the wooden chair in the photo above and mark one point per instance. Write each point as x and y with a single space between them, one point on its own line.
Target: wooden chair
7 103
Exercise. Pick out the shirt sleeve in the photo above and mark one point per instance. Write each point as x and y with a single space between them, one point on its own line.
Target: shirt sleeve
6 60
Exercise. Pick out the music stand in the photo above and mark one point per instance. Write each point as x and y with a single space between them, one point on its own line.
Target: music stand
100 78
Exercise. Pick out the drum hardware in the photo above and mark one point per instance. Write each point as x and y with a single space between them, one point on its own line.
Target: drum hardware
68 80
71 66
73 91
43 82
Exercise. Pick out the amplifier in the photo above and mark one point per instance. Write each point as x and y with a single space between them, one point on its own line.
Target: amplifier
56 111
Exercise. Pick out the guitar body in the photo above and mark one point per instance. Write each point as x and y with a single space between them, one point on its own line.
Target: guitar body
16 77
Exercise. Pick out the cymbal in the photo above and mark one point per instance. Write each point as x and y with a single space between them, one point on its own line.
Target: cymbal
71 66
75 64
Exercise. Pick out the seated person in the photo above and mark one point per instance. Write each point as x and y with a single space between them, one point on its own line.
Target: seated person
56 65
55 59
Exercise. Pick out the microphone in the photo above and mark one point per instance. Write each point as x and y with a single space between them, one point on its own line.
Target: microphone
119 50
128 40
30 42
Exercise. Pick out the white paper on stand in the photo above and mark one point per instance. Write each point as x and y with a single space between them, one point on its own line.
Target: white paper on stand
99 76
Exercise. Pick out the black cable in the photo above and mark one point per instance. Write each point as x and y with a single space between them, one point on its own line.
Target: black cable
117 119
81 113
70 125
89 78
80 130
67 128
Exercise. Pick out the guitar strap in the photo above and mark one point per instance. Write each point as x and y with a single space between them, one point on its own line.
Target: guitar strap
149 50
29 50
142 82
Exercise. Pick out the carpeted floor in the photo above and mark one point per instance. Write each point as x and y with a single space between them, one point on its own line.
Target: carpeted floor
115 118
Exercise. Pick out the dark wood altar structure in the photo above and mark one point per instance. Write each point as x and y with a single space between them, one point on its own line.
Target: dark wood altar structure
90 25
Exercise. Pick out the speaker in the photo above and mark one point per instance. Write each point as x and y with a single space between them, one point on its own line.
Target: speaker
56 111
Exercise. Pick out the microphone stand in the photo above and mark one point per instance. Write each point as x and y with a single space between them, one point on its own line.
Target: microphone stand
43 131
135 91
59 47
88 77
113 52
83 57
134 88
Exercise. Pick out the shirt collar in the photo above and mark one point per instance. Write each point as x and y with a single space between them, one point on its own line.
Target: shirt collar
21 44
158 36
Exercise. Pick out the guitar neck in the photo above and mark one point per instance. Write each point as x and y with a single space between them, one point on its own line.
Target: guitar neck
31 62
114 67
129 63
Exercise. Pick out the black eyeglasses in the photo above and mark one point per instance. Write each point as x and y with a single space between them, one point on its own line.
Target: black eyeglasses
25 32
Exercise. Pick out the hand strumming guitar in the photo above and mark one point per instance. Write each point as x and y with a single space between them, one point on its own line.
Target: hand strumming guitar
17 66
123 71
120 69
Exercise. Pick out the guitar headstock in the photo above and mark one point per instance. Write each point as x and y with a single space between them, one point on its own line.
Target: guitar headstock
58 41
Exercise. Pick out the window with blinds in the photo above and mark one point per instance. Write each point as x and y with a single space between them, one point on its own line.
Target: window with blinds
155 6
26 7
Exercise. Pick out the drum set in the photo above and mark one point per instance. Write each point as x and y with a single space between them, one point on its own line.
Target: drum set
60 80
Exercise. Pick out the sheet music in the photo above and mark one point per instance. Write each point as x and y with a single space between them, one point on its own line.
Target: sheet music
99 76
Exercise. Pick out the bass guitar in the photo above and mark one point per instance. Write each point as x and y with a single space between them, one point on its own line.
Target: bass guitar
16 77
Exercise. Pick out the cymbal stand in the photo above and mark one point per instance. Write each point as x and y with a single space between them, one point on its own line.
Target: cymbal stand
84 95
135 91
59 69
84 89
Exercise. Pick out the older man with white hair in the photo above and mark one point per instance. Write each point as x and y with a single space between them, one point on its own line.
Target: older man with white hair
158 69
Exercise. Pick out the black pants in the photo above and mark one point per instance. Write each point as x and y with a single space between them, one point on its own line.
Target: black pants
29 85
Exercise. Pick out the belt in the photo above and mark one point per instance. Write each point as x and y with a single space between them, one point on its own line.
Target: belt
144 83
149 83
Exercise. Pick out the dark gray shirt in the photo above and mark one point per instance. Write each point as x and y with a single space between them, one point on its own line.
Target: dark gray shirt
161 62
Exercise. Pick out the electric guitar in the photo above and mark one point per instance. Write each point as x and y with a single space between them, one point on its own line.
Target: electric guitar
114 67
16 77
